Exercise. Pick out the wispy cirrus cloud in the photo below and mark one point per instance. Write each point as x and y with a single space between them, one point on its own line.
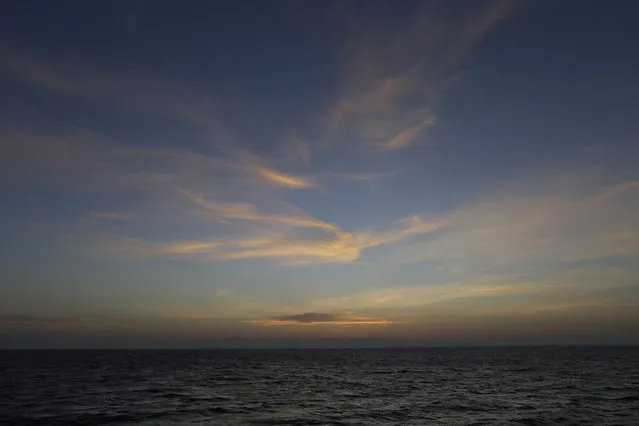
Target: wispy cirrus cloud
406 137
296 149
567 216
286 180
248 212
85 158
128 90
277 237
287 248
394 77
563 217
145 94
147 248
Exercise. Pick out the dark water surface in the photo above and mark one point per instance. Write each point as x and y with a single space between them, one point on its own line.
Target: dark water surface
479 386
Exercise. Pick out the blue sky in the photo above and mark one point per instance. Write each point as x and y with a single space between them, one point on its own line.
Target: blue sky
288 173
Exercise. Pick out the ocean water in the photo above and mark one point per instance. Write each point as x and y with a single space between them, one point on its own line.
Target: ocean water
454 386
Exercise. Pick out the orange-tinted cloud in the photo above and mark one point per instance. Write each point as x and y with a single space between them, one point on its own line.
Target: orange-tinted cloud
314 319
278 238
286 180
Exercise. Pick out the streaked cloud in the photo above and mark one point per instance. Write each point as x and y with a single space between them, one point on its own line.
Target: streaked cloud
436 295
173 248
566 216
200 194
393 77
249 212
277 238
618 189
470 300
322 319
128 90
307 317
286 180
290 250
79 157
489 294
406 137
569 215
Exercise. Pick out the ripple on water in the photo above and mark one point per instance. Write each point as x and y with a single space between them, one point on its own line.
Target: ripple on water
525 386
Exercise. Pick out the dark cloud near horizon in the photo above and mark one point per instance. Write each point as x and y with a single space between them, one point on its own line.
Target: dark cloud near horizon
18 319
307 317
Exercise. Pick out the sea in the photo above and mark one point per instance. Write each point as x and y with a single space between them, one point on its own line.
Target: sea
410 386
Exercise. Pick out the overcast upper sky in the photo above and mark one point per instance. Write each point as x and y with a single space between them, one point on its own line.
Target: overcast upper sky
313 173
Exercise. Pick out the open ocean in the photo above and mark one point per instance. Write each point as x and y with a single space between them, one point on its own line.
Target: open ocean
433 386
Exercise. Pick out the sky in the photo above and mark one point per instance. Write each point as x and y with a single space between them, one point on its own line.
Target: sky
320 173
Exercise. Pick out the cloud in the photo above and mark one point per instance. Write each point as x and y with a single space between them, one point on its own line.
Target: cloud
289 250
286 180
299 251
394 74
132 91
77 157
406 137
618 190
562 217
502 293
436 295
278 238
263 169
558 219
568 215
248 212
313 318
307 317
170 177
